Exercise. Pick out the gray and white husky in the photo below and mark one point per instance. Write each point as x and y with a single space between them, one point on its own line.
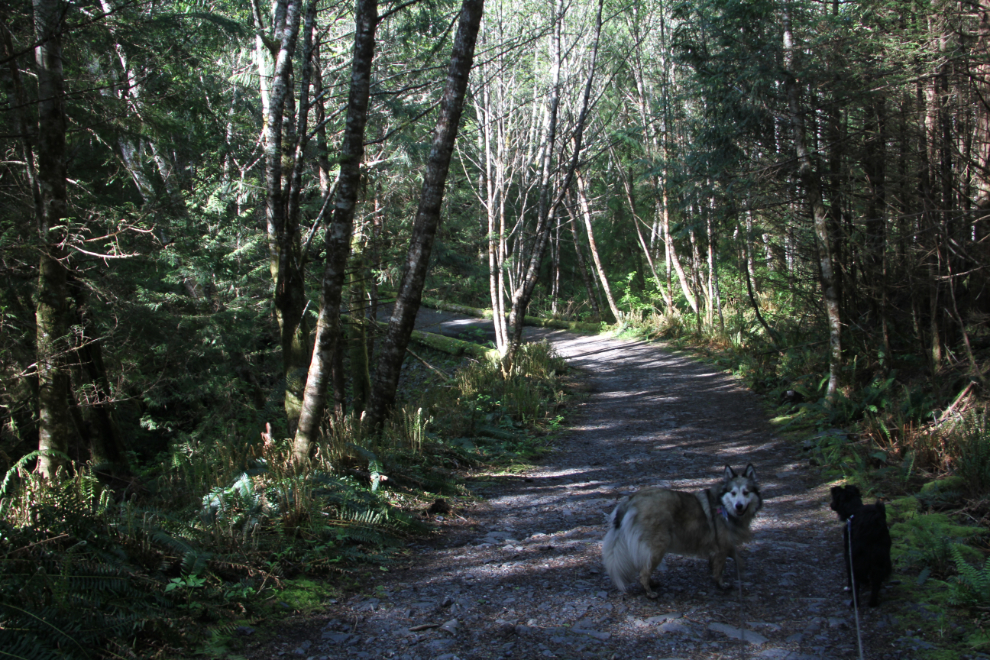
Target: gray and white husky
710 523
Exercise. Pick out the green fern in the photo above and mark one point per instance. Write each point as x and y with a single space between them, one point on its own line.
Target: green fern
25 645
972 585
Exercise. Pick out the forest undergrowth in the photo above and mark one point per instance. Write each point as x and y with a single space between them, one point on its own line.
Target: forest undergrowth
220 533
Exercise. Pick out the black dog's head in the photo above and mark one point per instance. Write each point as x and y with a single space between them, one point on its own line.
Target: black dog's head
846 500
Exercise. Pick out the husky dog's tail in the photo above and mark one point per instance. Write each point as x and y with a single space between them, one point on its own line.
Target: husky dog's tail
624 552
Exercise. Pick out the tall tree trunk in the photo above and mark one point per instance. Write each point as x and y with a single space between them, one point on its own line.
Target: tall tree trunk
714 293
928 226
696 274
488 196
582 267
427 220
980 81
338 234
675 261
283 229
357 338
749 282
627 184
593 246
106 443
874 167
812 187
527 253
52 311
533 259
555 249
653 150
492 192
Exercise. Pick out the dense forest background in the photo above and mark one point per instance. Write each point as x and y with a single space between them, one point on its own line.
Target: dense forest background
221 215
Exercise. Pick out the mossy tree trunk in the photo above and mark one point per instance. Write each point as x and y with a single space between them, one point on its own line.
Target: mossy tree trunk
326 352
52 308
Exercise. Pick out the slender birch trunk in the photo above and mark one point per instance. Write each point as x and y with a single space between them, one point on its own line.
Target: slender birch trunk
593 246
410 293
627 185
714 293
533 257
283 229
582 268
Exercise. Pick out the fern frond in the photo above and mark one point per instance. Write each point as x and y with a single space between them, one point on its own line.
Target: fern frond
25 645
972 585
193 562
177 545
42 623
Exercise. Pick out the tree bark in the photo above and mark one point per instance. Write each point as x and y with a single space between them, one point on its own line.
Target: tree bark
427 220
675 261
627 184
283 227
874 168
529 253
338 234
582 268
586 214
715 293
652 149
52 311
532 258
357 338
812 187
555 250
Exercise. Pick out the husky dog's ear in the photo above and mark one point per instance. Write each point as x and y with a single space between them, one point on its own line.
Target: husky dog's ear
750 472
729 473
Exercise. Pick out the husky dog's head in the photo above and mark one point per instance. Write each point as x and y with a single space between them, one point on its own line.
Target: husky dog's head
846 500
740 494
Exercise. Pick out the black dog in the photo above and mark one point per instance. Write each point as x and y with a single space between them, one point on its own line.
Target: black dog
867 524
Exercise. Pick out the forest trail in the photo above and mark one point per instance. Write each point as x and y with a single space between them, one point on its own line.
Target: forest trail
519 574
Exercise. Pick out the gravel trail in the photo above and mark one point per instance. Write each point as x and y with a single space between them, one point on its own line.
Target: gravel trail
519 574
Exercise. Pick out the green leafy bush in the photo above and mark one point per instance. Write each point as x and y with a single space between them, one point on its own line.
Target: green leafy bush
973 455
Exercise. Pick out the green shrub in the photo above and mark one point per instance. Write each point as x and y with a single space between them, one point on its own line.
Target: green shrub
973 455
79 572
926 541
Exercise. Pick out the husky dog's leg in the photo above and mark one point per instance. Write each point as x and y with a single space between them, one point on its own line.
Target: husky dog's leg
656 556
717 564
737 558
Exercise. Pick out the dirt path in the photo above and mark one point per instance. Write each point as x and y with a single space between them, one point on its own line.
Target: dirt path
519 575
